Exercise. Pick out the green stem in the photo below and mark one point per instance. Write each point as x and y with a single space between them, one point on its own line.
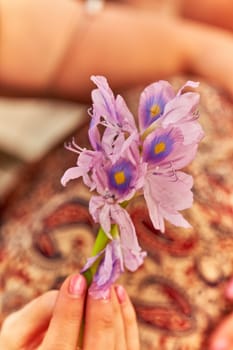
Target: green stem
100 243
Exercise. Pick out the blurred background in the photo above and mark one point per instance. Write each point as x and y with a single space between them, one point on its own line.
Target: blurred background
28 129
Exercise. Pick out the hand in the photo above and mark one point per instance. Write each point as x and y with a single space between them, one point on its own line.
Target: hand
54 320
222 338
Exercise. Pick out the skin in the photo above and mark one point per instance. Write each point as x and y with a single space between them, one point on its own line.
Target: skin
222 337
57 59
53 321
214 12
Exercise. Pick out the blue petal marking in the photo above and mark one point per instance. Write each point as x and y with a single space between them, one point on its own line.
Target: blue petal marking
128 169
151 155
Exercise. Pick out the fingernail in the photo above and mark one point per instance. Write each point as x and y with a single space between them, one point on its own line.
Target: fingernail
121 293
220 344
229 290
77 285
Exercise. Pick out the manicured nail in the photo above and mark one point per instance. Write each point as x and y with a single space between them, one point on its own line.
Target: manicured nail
121 293
229 290
220 344
77 285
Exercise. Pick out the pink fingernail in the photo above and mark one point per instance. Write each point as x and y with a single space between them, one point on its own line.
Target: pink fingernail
121 293
77 285
229 290
220 344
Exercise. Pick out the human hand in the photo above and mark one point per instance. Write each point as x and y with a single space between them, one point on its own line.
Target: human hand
222 338
54 320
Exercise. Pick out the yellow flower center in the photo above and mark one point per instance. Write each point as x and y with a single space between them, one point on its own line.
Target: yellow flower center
119 177
160 147
155 110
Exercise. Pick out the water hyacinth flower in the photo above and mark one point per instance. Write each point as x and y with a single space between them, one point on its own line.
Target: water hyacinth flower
167 190
159 105
114 256
110 268
112 113
126 161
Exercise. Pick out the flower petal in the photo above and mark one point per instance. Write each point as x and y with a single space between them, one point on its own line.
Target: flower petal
125 117
91 261
180 108
165 195
109 270
166 146
175 218
189 83
152 103
132 253
71 174
113 110
192 131
103 98
153 206
100 211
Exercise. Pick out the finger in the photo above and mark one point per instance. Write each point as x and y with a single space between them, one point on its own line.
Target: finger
222 338
229 290
64 328
29 322
99 324
129 319
118 324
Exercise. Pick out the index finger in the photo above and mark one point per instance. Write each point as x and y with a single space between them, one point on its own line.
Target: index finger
63 331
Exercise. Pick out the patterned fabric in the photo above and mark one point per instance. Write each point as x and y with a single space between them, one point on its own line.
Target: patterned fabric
46 233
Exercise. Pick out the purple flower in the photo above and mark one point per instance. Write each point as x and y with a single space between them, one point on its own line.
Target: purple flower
164 148
165 195
153 101
115 177
114 257
171 133
112 213
110 268
113 114
126 161
160 106
166 190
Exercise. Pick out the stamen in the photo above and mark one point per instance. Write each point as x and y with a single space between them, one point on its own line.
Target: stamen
90 112
167 171
73 147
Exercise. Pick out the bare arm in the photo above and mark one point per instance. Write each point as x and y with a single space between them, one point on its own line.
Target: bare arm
51 48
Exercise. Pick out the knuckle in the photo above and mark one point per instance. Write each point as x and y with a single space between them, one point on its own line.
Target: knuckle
8 324
6 333
105 321
130 317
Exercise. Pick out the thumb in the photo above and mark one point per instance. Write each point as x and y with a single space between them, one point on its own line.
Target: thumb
28 323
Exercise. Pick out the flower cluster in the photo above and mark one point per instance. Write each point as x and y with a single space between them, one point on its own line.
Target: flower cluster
126 160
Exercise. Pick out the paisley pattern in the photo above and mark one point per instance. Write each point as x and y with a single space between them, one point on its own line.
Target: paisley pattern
46 233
